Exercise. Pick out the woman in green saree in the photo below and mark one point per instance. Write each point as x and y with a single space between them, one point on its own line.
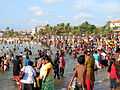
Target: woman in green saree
48 79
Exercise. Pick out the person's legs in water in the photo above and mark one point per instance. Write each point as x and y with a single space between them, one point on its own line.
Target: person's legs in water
58 76
92 85
113 84
30 87
80 87
56 72
62 72
24 86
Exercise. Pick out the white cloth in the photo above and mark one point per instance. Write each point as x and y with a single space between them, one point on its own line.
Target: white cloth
42 71
29 75
103 55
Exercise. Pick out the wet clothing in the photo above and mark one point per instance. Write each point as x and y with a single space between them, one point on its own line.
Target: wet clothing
48 84
90 77
97 59
113 72
27 87
29 74
48 80
26 62
80 71
90 68
16 67
56 67
113 76
61 65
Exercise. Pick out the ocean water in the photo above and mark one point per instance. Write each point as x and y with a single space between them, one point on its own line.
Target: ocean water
7 84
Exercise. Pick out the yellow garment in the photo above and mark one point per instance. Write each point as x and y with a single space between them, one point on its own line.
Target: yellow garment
89 62
46 68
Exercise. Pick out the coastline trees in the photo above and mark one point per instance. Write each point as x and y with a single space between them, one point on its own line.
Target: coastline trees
64 29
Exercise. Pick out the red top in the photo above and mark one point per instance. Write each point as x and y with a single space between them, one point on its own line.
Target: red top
113 73
62 62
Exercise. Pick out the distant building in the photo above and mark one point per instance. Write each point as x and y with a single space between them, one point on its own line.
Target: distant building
115 25
1 33
38 28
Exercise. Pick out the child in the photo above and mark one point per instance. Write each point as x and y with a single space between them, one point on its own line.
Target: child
112 72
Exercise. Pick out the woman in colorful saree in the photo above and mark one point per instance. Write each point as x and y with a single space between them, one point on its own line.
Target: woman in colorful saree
48 79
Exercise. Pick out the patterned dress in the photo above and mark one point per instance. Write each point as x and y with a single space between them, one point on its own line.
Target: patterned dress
48 84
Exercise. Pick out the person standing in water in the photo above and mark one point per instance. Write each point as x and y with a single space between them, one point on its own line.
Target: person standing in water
89 63
56 65
79 73
97 59
112 73
47 79
62 65
28 77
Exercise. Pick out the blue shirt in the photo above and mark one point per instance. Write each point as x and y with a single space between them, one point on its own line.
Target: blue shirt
26 62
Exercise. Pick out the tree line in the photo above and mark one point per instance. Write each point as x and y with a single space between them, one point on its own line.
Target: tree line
68 29
64 29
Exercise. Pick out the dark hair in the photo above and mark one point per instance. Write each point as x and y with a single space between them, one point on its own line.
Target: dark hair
37 74
45 57
30 63
117 50
81 59
17 57
95 51
48 58
27 57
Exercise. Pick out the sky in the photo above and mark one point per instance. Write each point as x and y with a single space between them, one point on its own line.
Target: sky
29 13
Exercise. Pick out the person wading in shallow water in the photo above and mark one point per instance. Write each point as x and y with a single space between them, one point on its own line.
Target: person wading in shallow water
112 73
48 80
62 65
28 77
16 68
56 65
89 63
79 73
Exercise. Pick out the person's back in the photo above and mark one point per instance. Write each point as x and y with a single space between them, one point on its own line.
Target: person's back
16 67
90 77
90 67
26 60
96 56
62 62
80 73
112 72
28 77
29 74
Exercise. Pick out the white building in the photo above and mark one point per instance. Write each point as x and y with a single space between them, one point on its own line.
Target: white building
115 23
1 33
41 27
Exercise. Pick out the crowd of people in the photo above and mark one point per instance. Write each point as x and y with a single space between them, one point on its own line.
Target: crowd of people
90 55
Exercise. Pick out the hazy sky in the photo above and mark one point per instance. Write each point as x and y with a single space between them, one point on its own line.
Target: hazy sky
26 13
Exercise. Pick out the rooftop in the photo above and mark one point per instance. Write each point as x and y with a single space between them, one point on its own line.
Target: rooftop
115 21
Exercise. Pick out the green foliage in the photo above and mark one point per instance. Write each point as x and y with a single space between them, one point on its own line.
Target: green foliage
87 28
10 33
65 29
